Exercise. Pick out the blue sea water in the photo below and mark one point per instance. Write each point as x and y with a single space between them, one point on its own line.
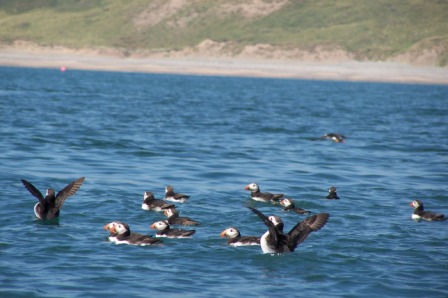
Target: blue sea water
209 137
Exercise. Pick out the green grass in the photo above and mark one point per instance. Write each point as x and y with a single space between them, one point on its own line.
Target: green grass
369 29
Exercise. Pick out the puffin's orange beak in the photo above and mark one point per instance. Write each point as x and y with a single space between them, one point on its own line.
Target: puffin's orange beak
110 228
223 233
247 187
165 212
282 203
153 226
410 204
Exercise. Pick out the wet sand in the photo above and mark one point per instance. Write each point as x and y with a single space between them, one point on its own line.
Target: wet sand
340 71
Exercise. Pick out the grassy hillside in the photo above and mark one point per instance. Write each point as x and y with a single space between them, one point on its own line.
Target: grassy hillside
368 29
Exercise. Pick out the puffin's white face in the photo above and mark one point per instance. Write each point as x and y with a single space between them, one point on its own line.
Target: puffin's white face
275 220
285 202
120 228
230 233
415 204
252 187
159 225
146 195
168 188
169 212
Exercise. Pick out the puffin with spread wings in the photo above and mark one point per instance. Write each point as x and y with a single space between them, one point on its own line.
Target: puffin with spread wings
275 241
49 207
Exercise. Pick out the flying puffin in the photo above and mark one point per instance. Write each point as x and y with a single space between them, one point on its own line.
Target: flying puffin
332 194
170 195
120 233
164 230
420 213
234 238
335 137
151 203
290 206
174 219
257 195
49 207
275 241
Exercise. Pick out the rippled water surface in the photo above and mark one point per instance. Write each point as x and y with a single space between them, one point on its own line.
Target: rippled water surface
209 137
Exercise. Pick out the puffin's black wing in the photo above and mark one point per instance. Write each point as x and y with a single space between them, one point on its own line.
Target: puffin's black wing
33 190
276 235
277 197
301 230
68 191
429 215
178 196
142 239
164 205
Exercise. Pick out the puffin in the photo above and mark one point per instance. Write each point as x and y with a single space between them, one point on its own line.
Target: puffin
164 230
234 238
420 213
257 195
174 219
120 233
335 137
290 206
275 241
332 194
170 195
151 203
49 207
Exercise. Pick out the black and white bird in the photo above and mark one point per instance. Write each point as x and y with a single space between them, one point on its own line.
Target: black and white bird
151 203
275 241
120 233
420 213
234 238
335 137
170 195
257 195
174 219
49 207
332 194
164 230
290 206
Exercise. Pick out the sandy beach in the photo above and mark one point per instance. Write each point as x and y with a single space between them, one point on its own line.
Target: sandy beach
246 67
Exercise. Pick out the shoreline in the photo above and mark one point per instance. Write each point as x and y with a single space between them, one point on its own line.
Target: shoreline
393 72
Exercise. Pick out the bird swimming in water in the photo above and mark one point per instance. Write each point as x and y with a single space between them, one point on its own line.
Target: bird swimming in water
332 194
275 241
257 195
335 137
420 213
49 207
290 206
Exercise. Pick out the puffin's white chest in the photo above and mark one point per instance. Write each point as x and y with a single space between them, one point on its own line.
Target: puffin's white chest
259 199
35 211
172 199
264 244
416 216
147 207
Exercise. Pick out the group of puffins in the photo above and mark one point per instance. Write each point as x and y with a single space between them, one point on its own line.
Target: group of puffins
274 240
